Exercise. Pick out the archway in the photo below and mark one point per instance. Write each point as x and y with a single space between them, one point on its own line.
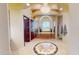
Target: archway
46 27
46 24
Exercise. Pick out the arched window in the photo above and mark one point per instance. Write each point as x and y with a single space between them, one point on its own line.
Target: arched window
46 26
46 23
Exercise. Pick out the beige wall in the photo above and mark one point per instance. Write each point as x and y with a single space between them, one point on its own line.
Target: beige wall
17 27
16 23
4 33
71 19
73 29
66 18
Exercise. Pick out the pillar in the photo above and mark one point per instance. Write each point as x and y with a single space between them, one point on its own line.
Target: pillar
4 30
56 27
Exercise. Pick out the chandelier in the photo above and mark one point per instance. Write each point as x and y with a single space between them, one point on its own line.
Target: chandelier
45 8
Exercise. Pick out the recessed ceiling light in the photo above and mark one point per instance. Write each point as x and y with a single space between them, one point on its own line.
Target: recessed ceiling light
28 4
61 9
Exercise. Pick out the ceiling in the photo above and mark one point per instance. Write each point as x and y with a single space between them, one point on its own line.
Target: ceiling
16 6
35 6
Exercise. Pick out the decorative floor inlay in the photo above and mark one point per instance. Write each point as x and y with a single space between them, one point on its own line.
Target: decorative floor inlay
45 48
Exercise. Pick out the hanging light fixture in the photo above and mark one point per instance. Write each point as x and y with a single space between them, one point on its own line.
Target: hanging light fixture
60 9
28 4
45 8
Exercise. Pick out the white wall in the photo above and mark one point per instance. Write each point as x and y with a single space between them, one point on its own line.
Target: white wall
66 18
71 19
16 24
4 36
17 27
74 29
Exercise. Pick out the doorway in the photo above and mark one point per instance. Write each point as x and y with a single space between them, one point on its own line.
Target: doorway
46 27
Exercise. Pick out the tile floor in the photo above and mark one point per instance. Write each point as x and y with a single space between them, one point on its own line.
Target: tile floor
28 49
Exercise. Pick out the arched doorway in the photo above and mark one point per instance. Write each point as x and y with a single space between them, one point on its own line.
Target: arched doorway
46 24
46 27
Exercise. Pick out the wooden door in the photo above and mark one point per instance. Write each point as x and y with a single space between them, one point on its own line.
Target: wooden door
26 29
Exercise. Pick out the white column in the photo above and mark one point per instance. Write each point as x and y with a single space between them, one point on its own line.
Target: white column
4 30
52 26
38 26
56 23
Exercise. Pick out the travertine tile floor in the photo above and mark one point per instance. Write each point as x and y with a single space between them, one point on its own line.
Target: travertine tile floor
28 49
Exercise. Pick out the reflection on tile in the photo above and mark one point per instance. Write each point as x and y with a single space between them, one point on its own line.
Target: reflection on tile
28 49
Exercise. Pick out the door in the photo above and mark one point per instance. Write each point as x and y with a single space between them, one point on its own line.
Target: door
26 29
29 34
